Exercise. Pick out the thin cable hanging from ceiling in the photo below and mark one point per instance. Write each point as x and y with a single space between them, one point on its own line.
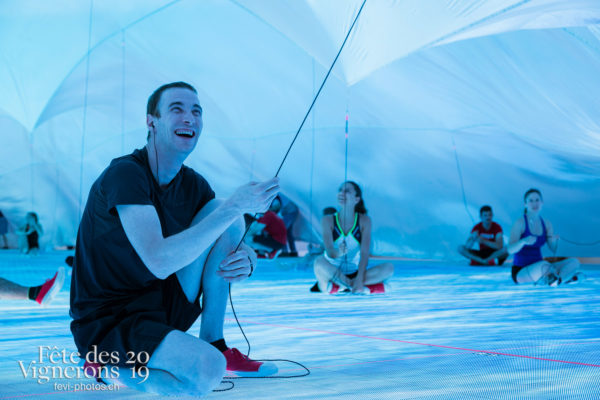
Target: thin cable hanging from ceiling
462 184
123 80
85 105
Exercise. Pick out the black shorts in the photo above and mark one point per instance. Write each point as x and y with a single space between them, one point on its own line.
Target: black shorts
485 253
352 275
514 271
482 253
141 324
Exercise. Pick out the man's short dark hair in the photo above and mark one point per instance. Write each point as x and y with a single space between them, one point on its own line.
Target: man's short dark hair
484 209
154 99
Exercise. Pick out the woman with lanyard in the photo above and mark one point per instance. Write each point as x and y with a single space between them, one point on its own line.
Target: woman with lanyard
347 240
528 235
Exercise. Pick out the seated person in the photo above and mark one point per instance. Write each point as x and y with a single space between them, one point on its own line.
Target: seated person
155 252
489 236
527 236
29 234
268 235
289 213
347 239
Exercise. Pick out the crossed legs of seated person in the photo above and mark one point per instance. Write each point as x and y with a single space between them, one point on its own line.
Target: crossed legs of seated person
547 273
484 256
326 272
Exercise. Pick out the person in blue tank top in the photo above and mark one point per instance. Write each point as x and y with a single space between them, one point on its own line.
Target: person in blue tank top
347 241
529 233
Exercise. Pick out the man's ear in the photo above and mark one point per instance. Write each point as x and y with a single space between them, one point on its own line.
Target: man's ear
150 121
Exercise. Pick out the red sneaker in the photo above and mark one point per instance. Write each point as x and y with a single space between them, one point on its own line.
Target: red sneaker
333 288
241 365
273 255
51 287
93 370
377 288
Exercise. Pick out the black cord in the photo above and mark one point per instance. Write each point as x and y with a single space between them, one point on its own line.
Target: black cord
238 322
322 84
277 376
580 243
462 185
227 388
310 108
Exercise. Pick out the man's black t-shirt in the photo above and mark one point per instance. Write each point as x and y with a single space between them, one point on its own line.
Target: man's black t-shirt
110 284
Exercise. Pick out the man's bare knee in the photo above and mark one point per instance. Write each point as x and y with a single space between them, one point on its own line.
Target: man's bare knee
197 366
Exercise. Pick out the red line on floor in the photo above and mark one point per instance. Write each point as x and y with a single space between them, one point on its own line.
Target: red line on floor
484 306
422 344
372 362
20 396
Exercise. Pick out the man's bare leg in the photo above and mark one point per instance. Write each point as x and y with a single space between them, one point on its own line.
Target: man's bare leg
204 270
503 252
215 289
465 252
12 291
181 364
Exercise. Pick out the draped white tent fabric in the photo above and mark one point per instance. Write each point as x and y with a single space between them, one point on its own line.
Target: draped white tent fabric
452 104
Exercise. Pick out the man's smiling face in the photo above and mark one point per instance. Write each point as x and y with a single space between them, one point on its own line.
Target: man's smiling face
179 121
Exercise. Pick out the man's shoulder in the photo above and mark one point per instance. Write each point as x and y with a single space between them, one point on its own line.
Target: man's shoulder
122 171
477 227
128 161
190 173
495 228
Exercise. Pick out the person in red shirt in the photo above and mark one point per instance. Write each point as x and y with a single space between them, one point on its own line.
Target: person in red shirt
489 236
268 233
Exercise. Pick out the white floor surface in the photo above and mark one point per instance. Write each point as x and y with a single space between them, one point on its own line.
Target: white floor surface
445 331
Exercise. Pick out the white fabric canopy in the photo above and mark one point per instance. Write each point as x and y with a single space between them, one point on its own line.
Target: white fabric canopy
501 95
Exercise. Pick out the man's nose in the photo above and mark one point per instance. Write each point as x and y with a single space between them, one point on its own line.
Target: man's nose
188 117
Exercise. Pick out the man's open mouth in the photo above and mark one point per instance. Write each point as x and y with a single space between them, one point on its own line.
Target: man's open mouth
185 133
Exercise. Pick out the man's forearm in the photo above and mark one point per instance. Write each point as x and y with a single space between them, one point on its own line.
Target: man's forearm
177 251
489 243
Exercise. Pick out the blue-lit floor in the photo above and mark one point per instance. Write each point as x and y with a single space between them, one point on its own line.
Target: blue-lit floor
445 331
